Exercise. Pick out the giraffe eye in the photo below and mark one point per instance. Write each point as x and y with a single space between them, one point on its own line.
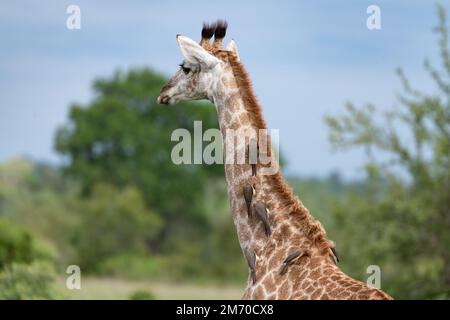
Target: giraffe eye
185 70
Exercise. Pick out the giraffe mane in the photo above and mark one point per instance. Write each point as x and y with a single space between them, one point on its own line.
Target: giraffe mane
312 227
246 90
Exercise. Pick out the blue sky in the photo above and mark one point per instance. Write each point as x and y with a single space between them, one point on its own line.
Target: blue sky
306 59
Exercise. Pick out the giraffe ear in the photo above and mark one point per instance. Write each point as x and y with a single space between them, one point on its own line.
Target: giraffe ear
194 53
233 48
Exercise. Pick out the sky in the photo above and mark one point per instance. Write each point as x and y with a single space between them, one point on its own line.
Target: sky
305 59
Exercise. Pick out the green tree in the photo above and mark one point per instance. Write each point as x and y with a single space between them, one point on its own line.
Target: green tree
38 199
28 281
113 223
19 245
26 264
124 138
404 221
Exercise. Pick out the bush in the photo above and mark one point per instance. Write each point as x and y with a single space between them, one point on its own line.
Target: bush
19 245
131 266
113 222
142 295
24 282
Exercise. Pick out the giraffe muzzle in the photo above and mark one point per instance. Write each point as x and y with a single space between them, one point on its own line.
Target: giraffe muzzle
163 99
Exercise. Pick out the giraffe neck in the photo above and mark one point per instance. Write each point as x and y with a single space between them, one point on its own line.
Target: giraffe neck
295 237
234 118
287 216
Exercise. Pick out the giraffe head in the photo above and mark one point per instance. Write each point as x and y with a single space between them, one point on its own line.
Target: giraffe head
200 68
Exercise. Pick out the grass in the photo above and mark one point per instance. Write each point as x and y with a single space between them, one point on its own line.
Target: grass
120 289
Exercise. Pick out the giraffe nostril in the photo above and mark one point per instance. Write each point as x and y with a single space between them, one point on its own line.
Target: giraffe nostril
163 99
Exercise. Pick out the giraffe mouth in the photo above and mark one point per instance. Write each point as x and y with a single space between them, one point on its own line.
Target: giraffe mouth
169 99
165 100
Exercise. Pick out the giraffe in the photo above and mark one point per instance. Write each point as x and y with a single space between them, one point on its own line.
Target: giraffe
288 253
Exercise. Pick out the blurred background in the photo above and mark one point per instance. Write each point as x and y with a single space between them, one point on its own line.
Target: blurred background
85 172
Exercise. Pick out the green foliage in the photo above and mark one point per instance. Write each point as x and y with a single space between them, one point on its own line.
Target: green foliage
132 266
38 198
407 207
117 222
142 295
28 281
26 256
320 195
123 138
18 245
